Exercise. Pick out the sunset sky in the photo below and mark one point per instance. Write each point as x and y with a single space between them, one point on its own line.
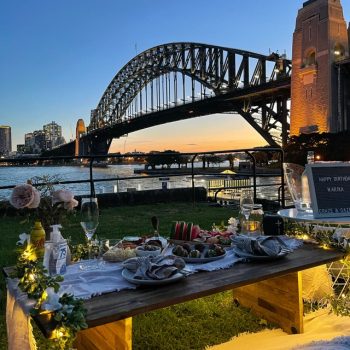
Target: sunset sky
58 57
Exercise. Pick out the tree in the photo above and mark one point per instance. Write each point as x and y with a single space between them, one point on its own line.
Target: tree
231 159
182 160
327 146
165 159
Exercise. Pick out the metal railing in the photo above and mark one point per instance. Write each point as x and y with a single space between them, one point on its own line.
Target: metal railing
193 172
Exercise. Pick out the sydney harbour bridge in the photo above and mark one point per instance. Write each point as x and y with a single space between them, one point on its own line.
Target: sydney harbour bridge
178 81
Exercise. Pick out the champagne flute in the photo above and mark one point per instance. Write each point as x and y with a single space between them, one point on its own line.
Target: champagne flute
89 218
246 203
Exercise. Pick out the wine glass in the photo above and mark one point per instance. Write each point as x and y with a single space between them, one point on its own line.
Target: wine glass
246 203
89 218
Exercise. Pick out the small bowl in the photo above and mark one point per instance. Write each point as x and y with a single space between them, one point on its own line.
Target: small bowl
140 251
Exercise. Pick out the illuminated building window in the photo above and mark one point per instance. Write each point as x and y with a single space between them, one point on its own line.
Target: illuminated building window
339 51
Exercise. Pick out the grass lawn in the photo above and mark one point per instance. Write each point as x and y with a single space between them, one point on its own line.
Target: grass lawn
191 325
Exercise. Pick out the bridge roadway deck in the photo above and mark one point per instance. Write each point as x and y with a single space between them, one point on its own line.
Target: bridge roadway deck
223 103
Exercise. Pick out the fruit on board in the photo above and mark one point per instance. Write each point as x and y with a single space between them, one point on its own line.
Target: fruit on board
180 251
195 232
188 232
183 231
187 247
200 247
195 254
210 253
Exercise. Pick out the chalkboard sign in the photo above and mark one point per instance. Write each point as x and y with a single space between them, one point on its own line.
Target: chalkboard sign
329 185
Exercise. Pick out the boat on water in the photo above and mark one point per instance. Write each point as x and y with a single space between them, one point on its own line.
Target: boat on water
100 165
96 164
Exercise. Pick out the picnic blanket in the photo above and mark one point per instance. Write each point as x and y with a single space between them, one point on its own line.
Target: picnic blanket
320 325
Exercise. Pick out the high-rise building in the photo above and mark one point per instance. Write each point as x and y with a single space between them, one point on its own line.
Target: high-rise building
35 142
28 142
21 148
53 133
5 140
39 141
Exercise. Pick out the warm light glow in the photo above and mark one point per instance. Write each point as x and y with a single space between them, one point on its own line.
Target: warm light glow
306 237
59 332
251 226
318 157
325 246
337 52
29 253
44 295
31 277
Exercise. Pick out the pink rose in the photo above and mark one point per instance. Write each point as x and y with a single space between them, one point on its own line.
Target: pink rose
66 197
36 200
70 205
62 196
25 196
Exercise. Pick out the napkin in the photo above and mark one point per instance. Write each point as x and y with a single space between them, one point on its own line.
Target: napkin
260 245
154 267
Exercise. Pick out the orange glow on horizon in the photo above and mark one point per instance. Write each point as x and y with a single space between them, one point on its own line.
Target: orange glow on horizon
205 146
210 133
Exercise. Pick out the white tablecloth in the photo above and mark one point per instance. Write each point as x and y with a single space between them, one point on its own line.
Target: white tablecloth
86 284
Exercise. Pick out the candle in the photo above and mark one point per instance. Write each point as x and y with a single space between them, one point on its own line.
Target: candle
252 226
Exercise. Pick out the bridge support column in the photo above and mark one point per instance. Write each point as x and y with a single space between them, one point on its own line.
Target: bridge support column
320 39
97 145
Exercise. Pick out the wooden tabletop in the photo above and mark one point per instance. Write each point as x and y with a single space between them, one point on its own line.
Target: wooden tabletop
119 305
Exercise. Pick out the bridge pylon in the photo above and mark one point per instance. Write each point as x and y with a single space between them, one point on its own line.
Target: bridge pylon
80 130
320 42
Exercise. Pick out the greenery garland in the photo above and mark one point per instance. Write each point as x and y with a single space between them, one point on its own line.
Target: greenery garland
34 280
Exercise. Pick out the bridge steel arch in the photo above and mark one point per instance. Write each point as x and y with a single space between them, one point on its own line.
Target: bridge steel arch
253 85
222 70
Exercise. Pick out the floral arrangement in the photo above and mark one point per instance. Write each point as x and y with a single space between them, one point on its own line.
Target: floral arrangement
50 205
232 226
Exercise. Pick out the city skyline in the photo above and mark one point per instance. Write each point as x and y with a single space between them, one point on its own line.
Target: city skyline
58 61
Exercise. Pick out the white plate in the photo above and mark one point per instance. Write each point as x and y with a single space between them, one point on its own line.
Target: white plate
245 255
202 260
129 276
131 238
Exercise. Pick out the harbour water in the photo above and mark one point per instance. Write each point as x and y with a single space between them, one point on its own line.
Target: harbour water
19 175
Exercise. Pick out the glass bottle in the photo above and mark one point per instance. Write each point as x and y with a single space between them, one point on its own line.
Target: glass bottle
257 216
305 189
37 238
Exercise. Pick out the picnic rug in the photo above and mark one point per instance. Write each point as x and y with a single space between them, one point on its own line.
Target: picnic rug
320 326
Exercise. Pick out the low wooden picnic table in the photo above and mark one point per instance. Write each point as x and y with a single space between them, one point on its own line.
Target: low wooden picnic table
272 289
